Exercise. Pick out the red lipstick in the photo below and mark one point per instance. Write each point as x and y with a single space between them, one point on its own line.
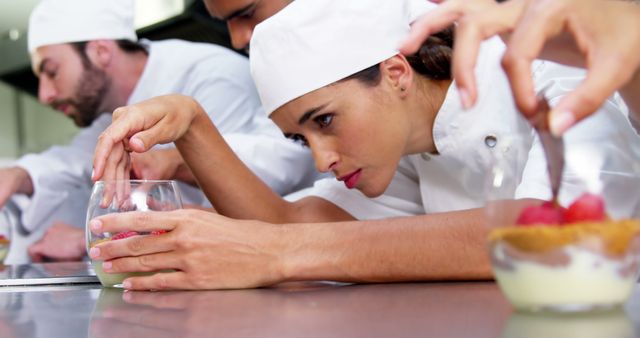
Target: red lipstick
351 180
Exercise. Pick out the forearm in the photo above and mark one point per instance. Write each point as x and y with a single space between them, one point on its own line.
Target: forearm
24 184
444 246
230 186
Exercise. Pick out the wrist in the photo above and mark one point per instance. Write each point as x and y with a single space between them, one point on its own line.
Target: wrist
23 181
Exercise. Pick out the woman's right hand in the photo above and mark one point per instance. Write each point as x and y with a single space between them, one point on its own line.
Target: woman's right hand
139 127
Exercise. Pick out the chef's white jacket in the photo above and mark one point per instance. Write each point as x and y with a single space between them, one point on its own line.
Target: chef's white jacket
467 142
220 81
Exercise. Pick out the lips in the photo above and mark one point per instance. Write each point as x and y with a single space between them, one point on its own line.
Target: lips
351 180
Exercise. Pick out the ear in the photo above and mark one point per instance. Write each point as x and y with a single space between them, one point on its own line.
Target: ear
397 71
101 52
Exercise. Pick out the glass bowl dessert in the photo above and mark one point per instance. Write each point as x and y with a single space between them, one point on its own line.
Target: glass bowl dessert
5 234
562 265
578 253
127 196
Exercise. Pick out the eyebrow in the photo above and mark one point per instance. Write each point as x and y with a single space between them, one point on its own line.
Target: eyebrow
309 113
239 12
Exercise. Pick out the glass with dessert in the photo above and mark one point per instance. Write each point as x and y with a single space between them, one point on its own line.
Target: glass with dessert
5 234
578 253
127 196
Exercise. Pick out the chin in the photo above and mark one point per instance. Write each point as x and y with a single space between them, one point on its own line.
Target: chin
373 191
376 187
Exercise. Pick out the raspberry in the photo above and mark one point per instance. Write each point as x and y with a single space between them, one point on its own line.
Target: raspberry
588 207
547 213
158 232
124 234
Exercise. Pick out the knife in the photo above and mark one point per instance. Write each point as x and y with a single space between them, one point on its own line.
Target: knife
553 146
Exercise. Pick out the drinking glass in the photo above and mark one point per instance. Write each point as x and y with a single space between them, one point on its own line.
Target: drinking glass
118 196
5 233
576 254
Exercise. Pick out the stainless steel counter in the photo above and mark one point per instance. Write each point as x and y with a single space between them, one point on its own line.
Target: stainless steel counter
295 310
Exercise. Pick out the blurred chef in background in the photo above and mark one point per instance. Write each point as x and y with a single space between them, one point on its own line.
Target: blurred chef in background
89 62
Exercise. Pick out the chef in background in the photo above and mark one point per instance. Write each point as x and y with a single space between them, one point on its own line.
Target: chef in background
89 62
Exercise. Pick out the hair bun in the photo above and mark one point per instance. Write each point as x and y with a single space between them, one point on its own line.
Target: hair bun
433 59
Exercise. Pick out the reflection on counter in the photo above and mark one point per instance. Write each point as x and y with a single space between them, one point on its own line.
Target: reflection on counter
304 309
610 324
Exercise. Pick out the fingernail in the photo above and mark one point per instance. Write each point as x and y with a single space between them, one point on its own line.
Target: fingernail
465 98
561 121
107 265
93 174
126 284
137 143
94 253
95 224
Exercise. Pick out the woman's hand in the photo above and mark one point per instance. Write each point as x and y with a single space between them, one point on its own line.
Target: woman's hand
139 127
206 250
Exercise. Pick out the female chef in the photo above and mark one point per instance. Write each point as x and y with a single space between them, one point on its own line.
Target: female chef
389 127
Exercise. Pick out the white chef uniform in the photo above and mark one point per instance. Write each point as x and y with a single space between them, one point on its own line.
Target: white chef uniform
455 178
219 80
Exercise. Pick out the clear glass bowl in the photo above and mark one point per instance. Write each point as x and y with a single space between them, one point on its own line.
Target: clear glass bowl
579 253
127 196
5 234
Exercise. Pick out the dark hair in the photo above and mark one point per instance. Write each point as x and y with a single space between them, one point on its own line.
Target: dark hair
433 60
126 46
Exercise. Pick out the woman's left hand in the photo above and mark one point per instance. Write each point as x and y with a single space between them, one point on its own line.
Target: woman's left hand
206 250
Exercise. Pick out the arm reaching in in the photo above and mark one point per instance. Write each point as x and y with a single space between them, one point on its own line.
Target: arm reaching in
209 251
226 181
12 181
60 243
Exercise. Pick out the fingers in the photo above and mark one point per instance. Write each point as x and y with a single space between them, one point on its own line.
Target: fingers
126 122
539 23
146 263
133 247
472 30
114 173
432 22
601 82
35 252
136 221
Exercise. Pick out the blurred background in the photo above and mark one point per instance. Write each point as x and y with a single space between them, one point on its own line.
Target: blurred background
26 125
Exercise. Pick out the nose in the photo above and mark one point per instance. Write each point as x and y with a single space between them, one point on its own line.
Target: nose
324 155
240 33
46 91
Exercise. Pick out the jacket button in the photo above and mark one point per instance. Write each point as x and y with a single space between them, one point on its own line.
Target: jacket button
491 141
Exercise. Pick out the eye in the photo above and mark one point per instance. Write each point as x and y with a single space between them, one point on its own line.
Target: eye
299 139
248 14
50 73
323 120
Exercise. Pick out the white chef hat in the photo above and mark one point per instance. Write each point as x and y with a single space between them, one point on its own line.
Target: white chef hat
313 43
64 21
